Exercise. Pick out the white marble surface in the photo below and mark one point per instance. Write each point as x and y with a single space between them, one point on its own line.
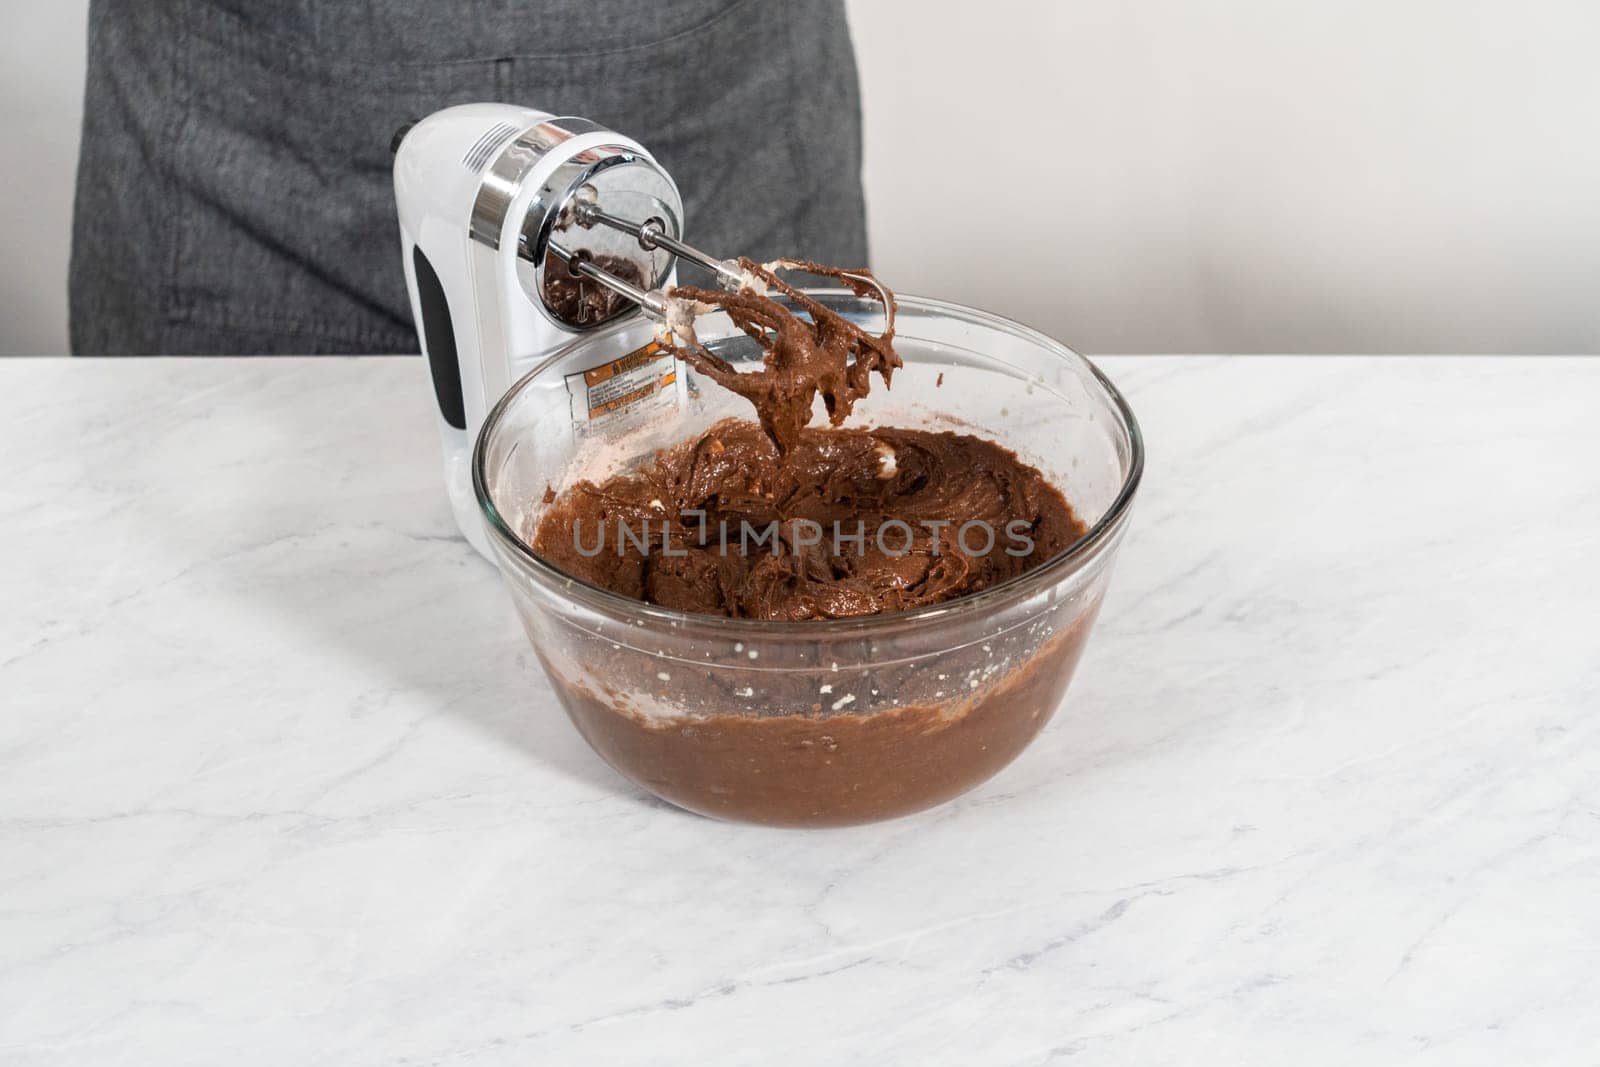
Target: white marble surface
280 782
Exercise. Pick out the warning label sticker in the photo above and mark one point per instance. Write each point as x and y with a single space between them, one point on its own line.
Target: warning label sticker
623 384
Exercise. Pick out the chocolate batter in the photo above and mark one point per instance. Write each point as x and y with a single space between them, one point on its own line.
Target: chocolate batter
824 353
770 748
583 301
858 522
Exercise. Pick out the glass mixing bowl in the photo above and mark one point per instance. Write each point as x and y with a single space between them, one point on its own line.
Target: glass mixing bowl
817 723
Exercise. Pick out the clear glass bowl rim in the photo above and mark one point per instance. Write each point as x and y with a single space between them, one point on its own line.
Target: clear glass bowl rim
1059 566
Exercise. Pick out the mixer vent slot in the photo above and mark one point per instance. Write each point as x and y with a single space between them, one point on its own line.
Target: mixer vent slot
487 145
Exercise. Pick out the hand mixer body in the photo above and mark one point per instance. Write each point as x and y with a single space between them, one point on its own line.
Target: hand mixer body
482 191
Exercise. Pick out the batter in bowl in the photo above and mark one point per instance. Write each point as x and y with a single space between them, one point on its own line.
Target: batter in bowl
777 520
847 522
789 522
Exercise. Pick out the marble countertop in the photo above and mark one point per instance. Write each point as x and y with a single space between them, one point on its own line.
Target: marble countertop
281 783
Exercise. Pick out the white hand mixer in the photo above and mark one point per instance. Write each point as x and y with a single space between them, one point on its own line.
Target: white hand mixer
520 231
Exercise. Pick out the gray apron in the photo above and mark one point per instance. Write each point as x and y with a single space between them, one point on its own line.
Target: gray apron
234 190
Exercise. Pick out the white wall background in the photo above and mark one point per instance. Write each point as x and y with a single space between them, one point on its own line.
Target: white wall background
1245 175
1131 175
41 105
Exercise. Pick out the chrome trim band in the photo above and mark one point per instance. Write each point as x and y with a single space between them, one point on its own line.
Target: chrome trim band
505 176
